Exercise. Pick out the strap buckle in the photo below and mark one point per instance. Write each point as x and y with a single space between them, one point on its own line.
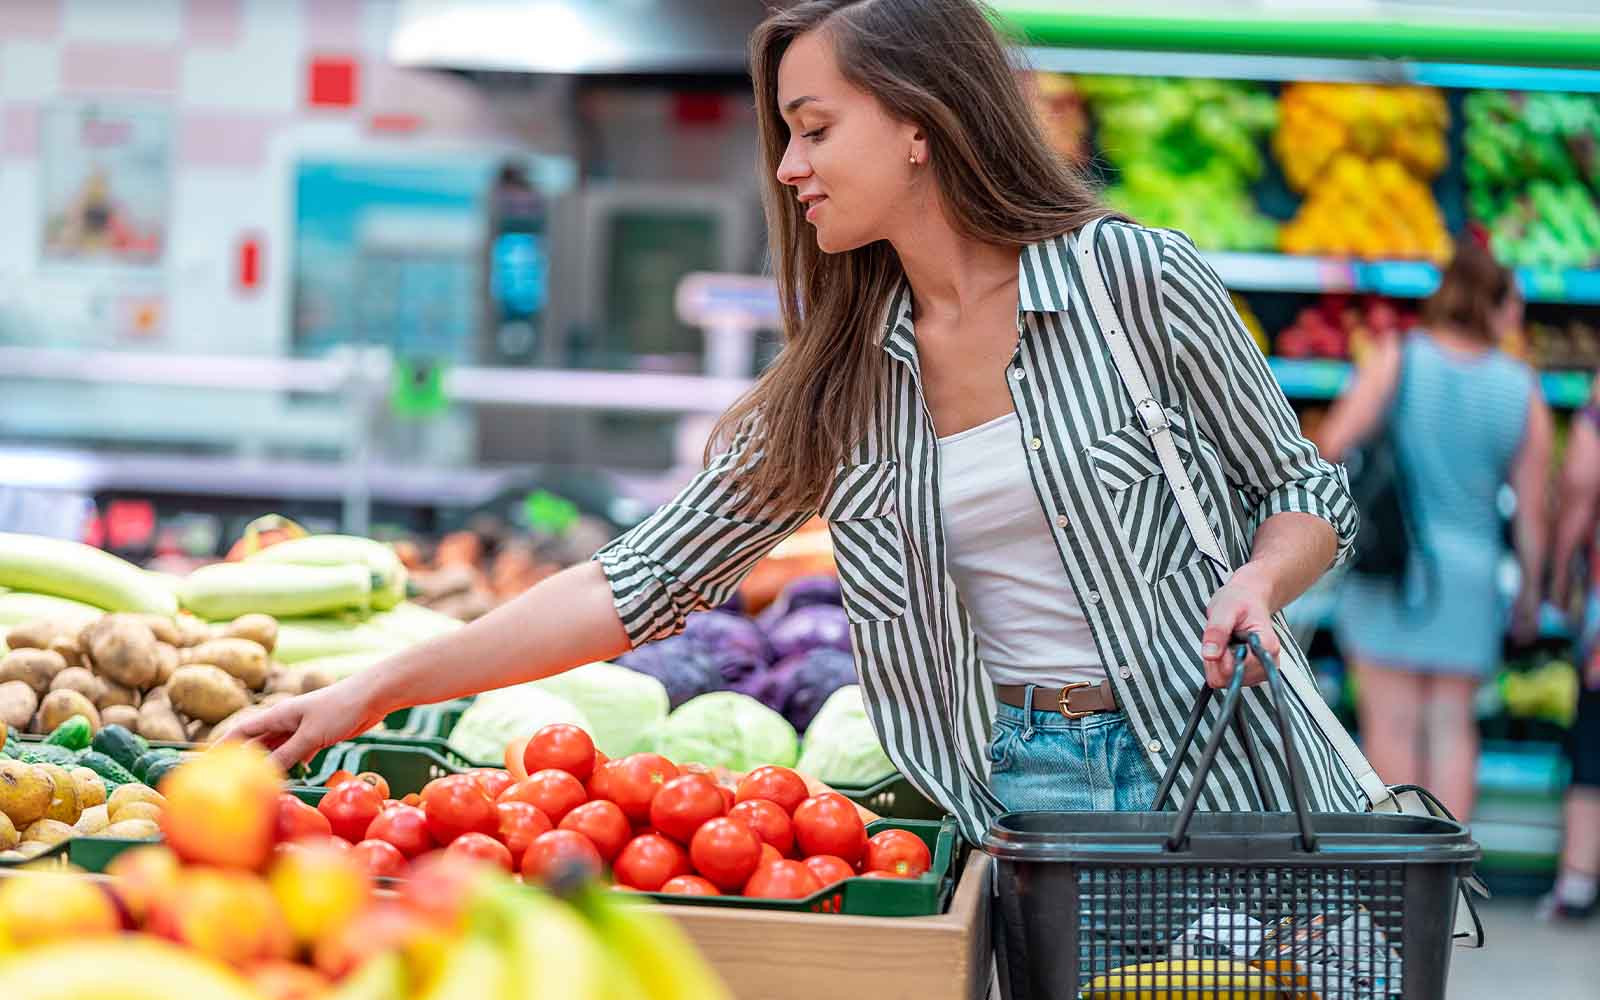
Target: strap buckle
1152 415
1061 699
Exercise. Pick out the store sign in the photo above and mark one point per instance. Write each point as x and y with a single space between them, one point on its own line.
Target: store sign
105 183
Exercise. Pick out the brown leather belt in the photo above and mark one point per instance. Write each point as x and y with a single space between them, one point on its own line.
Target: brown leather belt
1073 701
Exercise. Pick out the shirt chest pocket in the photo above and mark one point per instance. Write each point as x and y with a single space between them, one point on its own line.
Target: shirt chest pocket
867 542
1151 523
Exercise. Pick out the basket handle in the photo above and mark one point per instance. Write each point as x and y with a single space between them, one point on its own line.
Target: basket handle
1232 715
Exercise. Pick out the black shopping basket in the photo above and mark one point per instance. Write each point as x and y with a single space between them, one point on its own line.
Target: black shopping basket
1266 906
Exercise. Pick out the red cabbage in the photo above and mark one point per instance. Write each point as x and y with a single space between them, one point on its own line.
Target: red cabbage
811 627
679 664
735 645
802 592
798 685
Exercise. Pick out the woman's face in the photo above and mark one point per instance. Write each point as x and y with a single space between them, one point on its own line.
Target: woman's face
1508 318
847 160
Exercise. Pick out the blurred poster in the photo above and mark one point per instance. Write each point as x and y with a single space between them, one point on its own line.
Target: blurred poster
105 183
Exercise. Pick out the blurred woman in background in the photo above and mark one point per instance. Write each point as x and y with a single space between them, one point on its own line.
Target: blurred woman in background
1577 890
1465 418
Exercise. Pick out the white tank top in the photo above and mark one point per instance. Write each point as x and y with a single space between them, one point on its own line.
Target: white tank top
1030 627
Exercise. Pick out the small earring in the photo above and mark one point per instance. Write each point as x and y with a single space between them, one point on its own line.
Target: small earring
913 159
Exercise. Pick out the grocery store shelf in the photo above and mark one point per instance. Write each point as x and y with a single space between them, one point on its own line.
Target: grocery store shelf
1274 272
1316 378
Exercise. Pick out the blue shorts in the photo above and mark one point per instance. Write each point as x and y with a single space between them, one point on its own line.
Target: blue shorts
1042 760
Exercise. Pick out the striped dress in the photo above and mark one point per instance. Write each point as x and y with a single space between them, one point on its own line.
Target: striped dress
1140 579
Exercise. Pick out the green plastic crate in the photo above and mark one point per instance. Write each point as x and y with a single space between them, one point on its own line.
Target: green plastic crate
92 854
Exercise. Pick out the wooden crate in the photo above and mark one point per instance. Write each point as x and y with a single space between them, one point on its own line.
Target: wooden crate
769 955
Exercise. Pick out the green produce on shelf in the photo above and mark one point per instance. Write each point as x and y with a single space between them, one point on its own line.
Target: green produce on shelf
1187 152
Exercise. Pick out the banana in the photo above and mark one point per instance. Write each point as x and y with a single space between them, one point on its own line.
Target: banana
1189 979
476 969
381 978
553 952
664 960
132 968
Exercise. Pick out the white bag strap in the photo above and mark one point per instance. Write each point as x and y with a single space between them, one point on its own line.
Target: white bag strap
1154 418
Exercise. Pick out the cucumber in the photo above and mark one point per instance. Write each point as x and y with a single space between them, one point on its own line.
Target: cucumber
141 767
74 734
48 753
228 590
110 771
158 770
120 744
79 572
388 573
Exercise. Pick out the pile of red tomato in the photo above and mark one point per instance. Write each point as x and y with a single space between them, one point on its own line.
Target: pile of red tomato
653 827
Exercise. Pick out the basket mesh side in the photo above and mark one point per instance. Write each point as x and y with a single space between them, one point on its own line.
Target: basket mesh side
1157 932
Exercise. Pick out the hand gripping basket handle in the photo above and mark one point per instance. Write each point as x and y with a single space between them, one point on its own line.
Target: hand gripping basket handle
1232 715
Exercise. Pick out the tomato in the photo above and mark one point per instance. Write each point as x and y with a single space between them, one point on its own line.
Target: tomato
683 804
406 827
514 751
769 853
521 823
440 887
338 778
782 880
728 798
603 823
828 869
551 853
483 847
900 852
296 820
769 822
647 862
633 782
556 793
689 885
492 780
725 851
829 824
351 808
455 805
411 799
777 784
376 780
563 747
380 858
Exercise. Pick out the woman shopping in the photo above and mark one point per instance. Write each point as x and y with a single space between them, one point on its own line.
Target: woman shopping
1465 418
1031 612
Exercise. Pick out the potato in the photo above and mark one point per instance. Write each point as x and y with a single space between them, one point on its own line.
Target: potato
313 680
135 792
267 701
133 829
281 679
242 658
167 660
191 630
112 693
36 667
25 792
82 681
125 716
158 721
124 650
157 695
9 837
206 692
136 810
67 646
198 730
18 702
94 820
48 831
38 634
59 706
163 628
259 629
64 804
91 787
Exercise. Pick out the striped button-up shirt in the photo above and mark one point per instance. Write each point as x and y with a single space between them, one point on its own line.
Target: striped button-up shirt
1139 577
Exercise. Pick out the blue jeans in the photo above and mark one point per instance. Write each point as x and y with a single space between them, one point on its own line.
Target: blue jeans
1042 760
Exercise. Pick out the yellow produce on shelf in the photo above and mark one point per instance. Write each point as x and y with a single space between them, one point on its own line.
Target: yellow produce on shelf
1371 209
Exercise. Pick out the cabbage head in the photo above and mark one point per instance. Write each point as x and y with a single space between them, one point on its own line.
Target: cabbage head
841 747
625 706
728 729
495 718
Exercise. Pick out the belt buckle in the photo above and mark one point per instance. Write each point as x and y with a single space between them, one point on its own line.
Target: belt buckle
1061 699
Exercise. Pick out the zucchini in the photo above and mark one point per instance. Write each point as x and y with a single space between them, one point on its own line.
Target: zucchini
120 744
228 590
48 753
19 608
388 572
79 572
301 639
74 734
141 767
158 770
110 771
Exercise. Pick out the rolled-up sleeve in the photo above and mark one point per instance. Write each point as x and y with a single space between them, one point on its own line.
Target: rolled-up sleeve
692 553
1238 404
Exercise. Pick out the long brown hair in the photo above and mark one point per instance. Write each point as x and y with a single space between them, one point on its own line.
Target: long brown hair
941 65
1472 287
